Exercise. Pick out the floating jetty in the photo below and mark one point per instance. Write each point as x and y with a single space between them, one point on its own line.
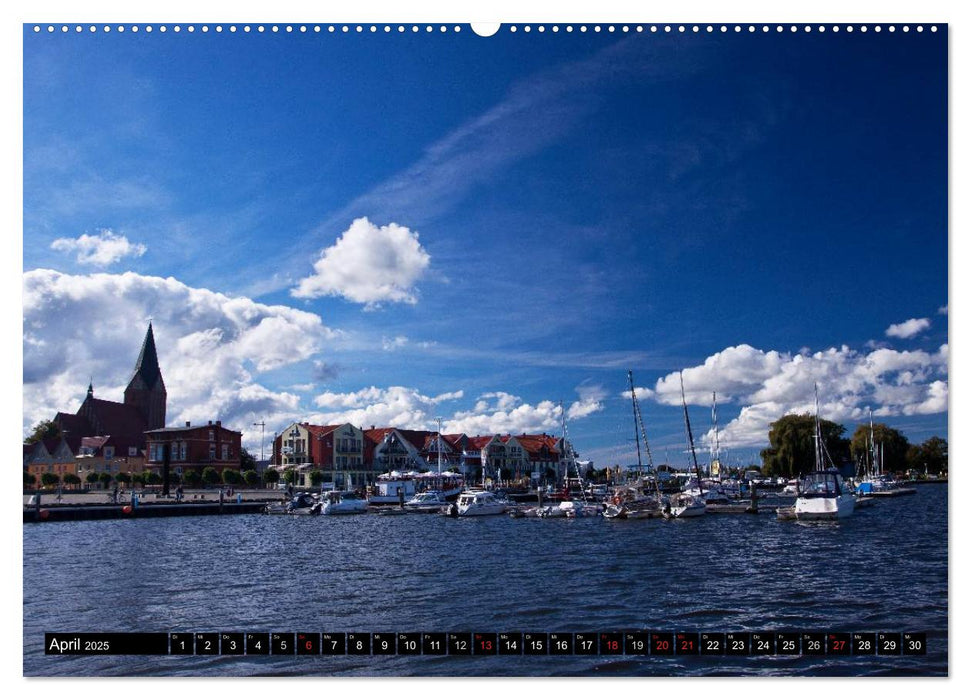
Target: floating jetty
126 512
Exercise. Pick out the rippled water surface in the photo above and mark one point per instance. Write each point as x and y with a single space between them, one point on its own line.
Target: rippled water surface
883 570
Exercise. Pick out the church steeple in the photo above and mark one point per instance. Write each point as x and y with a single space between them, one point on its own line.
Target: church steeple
91 389
146 390
147 365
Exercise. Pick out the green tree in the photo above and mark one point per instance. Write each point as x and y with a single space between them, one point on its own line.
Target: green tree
29 479
231 477
192 477
271 476
251 477
123 478
152 477
42 431
792 445
72 480
890 443
92 478
316 477
210 476
930 457
104 478
246 461
290 476
138 478
48 479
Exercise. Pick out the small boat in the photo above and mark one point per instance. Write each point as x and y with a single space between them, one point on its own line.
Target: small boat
342 503
301 504
683 505
884 485
477 502
426 502
822 494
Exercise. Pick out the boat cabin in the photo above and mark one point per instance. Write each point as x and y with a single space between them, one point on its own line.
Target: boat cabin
821 485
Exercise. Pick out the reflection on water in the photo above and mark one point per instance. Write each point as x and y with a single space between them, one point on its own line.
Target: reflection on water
883 569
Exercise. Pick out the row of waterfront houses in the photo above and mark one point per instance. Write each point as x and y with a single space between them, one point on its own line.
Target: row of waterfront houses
350 456
131 437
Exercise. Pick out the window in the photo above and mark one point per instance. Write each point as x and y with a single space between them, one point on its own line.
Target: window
212 451
132 451
212 435
225 452
109 452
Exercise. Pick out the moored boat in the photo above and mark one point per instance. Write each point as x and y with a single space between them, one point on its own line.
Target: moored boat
342 503
477 502
301 504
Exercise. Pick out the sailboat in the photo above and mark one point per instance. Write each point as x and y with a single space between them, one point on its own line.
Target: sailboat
822 493
876 482
687 505
630 501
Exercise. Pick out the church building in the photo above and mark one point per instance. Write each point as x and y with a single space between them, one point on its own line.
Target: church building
143 408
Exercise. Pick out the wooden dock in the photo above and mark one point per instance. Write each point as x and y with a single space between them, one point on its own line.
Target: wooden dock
55 513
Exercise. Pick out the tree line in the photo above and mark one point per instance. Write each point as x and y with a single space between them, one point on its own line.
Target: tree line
791 450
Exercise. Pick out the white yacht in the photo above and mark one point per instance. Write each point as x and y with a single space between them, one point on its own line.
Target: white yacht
427 502
683 505
824 496
479 502
342 503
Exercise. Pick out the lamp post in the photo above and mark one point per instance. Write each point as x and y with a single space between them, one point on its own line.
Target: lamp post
262 425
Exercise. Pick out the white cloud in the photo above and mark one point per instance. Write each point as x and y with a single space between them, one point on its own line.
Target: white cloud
491 413
909 328
369 265
399 406
391 344
212 348
768 385
943 310
101 250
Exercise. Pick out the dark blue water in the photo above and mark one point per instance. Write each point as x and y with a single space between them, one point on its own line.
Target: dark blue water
883 570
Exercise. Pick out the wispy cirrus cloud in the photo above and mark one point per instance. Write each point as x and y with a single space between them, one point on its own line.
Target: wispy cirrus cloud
100 250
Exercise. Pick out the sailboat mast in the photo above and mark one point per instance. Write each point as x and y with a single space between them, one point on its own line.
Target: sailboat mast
633 400
439 443
639 426
691 440
714 448
818 436
873 447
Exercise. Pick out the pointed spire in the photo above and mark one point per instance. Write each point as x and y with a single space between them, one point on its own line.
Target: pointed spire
91 389
147 364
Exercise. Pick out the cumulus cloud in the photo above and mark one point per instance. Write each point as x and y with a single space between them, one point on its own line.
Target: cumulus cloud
768 385
491 412
212 348
369 265
100 250
399 406
909 328
943 310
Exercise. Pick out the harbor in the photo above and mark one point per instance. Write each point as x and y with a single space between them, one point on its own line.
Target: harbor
412 573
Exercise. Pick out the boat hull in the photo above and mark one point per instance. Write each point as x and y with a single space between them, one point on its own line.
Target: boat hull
834 508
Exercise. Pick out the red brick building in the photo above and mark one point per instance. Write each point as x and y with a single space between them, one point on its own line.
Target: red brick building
193 447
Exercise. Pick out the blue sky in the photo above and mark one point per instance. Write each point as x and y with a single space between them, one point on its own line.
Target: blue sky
386 228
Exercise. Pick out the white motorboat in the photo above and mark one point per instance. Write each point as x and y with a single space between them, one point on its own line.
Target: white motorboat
683 505
824 496
427 502
342 503
301 504
478 502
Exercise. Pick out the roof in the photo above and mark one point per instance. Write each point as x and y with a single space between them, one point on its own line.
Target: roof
319 431
113 418
190 428
147 364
